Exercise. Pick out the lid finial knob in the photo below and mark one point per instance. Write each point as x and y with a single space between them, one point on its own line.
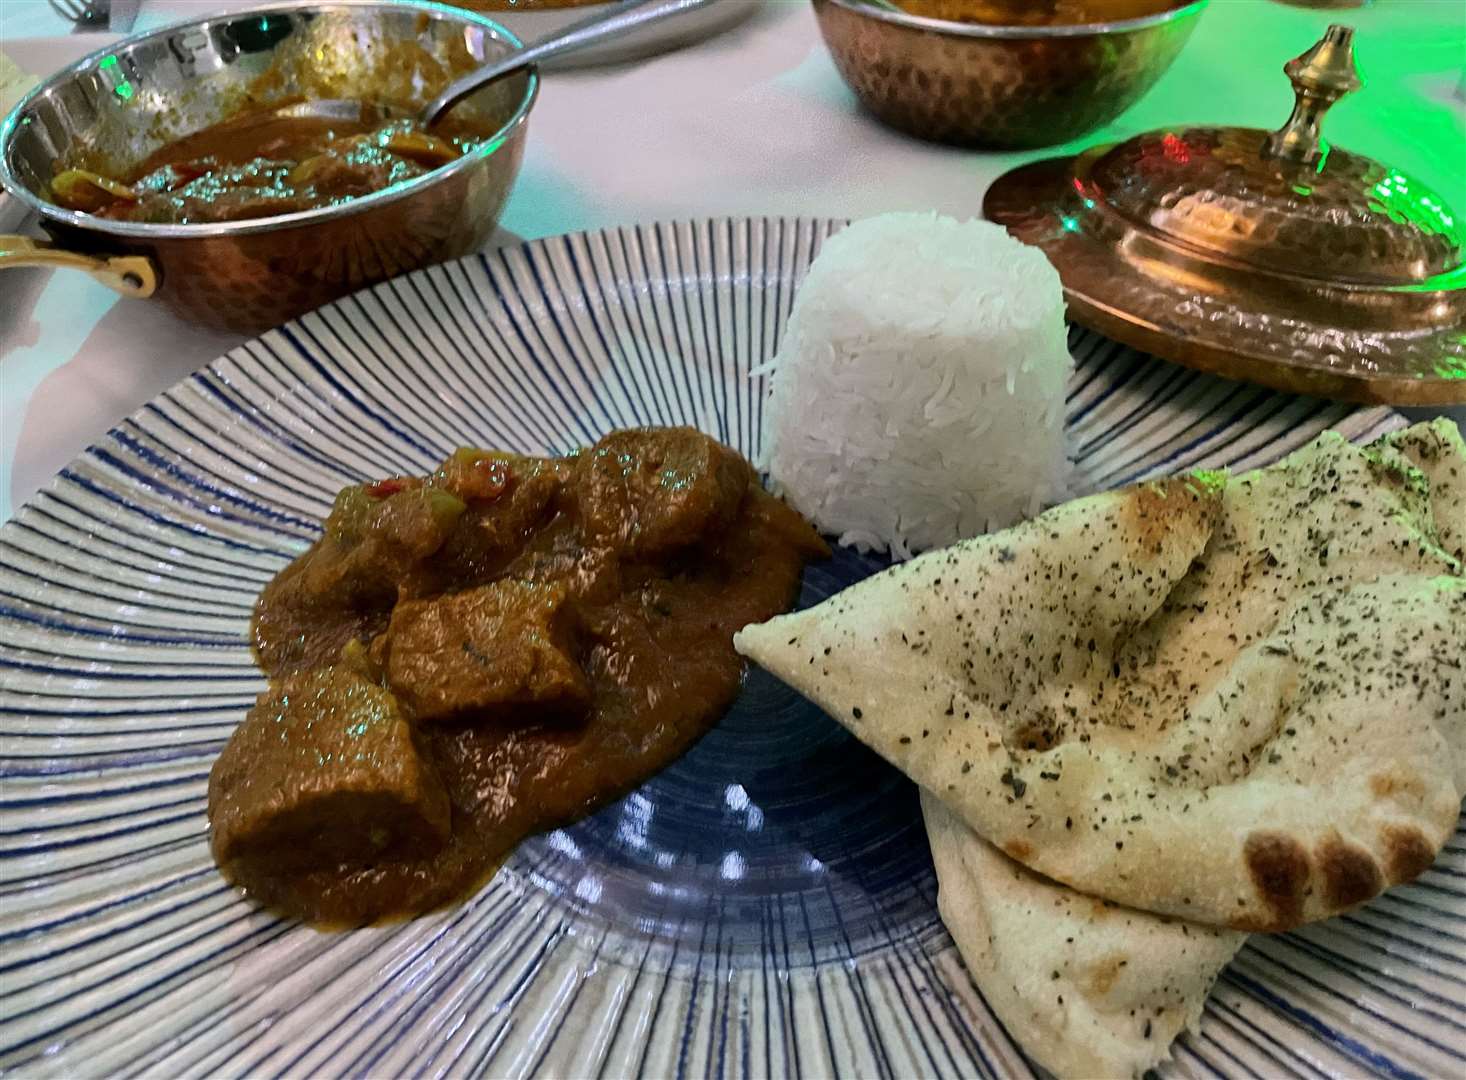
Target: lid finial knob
1320 77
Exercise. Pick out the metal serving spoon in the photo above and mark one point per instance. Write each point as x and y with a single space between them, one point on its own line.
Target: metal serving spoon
619 22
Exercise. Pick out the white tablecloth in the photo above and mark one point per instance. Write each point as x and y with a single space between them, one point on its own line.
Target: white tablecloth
755 121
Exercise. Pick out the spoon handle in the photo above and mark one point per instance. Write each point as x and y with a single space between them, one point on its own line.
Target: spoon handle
625 18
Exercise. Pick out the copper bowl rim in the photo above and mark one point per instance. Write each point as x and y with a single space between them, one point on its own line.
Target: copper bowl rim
300 218
1018 33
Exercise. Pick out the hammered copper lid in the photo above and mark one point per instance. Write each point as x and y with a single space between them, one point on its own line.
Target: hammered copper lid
1265 256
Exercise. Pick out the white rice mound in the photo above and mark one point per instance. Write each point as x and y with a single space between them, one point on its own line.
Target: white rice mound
918 395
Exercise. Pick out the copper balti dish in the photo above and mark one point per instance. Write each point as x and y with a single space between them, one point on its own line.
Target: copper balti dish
1009 82
1270 257
118 105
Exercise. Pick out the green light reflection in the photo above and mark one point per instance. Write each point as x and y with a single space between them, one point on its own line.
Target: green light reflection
1404 200
122 88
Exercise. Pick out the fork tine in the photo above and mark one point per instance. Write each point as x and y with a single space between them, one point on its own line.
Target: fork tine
76 11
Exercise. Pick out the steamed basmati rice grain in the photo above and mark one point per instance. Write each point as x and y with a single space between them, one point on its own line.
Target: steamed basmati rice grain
918 395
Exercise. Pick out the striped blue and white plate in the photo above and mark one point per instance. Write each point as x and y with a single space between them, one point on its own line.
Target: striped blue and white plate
765 907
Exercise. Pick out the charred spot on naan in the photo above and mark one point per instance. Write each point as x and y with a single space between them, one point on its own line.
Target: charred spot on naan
1408 853
1279 868
1386 785
1035 735
1099 978
1020 850
1281 871
1152 510
1350 873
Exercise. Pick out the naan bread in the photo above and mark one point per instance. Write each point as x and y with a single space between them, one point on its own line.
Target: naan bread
1264 738
1088 989
1436 450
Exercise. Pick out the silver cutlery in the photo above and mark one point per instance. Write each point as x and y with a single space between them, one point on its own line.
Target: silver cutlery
116 16
83 14
622 19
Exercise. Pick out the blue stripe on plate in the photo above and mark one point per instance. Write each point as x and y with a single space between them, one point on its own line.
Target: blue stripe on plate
662 937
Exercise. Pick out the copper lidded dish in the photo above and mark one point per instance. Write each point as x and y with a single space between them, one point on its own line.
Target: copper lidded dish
114 108
1010 81
1270 257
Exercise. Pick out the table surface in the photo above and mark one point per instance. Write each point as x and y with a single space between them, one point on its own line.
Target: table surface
752 122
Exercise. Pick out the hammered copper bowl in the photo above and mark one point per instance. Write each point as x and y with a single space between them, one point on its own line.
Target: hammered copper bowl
114 107
1003 87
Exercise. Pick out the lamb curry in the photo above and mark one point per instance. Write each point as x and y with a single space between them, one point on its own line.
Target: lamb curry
497 649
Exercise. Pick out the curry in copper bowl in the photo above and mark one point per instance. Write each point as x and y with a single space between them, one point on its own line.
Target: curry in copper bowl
157 165
260 164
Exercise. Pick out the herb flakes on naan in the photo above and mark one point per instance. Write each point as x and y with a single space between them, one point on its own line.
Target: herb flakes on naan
1240 703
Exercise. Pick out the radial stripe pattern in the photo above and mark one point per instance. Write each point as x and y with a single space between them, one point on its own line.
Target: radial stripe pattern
765 907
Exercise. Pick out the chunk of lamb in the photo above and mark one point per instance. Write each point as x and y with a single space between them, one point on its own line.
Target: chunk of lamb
323 772
649 492
380 533
375 537
510 499
501 652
